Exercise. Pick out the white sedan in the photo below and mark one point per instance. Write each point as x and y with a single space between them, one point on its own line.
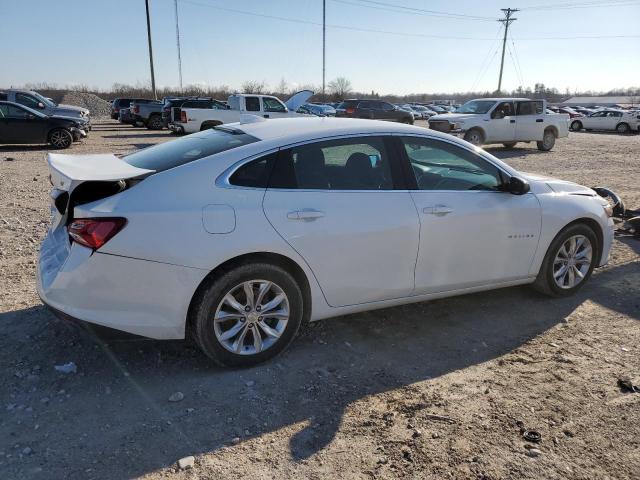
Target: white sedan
621 121
238 235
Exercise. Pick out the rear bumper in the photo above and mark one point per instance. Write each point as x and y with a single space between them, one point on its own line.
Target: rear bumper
175 128
136 296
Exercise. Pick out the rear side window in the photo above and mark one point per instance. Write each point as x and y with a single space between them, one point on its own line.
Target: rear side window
188 149
254 173
124 102
3 96
528 108
252 104
360 163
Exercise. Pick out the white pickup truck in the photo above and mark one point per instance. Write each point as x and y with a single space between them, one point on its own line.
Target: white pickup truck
504 120
197 119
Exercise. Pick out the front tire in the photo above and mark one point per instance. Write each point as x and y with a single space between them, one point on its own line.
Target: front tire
248 315
576 125
60 138
474 137
569 262
548 141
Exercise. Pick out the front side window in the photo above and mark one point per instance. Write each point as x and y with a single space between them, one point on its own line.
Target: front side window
188 149
359 163
387 107
273 105
252 104
27 100
474 106
504 109
440 165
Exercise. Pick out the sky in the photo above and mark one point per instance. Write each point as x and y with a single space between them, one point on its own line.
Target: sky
376 44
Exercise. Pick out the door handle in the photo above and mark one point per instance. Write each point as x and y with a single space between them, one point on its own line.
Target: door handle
438 210
512 121
539 120
305 214
266 115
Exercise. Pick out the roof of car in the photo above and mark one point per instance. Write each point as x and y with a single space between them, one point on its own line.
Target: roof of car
302 128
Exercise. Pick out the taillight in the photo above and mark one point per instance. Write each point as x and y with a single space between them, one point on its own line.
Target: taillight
350 110
183 117
95 232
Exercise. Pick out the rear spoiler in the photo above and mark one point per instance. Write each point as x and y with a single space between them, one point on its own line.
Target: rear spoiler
69 171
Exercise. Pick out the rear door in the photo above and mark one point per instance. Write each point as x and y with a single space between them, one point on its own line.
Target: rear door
502 126
340 204
530 120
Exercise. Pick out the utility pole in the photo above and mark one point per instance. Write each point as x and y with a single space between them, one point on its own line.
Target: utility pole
153 77
175 3
506 21
324 43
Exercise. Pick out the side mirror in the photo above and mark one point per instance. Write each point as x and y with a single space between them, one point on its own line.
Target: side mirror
40 105
518 186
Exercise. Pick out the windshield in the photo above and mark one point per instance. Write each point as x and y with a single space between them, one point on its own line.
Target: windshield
44 100
476 106
188 149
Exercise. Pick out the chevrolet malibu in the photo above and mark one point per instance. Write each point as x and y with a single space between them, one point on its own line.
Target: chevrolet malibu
238 235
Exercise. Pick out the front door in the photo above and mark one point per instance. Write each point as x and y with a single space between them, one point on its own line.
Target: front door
21 126
471 232
337 203
502 126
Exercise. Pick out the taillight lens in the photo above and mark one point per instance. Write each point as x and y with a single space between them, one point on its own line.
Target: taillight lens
183 117
350 110
95 232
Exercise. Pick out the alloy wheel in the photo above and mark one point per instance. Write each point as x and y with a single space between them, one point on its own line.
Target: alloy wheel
59 139
251 317
572 261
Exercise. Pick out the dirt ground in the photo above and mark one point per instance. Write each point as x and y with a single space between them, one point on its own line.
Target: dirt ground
427 391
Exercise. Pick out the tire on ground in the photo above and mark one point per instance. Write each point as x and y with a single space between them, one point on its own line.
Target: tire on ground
210 295
60 138
548 140
545 282
475 137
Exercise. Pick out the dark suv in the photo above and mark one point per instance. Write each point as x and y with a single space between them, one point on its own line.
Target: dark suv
373 109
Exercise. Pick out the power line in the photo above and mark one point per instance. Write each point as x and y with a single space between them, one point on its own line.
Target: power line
515 54
506 21
392 7
484 66
351 28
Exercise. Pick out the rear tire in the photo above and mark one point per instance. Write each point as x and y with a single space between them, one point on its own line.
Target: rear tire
474 137
551 268
548 141
576 125
212 303
155 122
60 138
623 128
509 144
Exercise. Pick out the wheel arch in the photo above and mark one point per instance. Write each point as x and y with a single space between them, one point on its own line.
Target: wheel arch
272 258
593 225
623 123
554 129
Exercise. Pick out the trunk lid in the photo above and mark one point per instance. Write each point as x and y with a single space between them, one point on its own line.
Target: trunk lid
78 179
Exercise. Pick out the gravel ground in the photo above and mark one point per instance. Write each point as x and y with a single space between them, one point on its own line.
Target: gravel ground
98 107
432 390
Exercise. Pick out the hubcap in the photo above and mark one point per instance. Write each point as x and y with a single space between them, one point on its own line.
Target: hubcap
251 317
572 261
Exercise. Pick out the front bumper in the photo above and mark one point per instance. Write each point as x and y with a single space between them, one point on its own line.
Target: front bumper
136 296
78 134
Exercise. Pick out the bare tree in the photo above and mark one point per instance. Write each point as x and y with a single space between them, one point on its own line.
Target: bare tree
340 87
253 86
282 88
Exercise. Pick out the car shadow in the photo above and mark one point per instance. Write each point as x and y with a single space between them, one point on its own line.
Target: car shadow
24 148
503 153
120 391
611 133
139 135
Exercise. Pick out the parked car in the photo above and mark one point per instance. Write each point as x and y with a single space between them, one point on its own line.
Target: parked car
147 113
374 110
569 111
424 112
320 110
621 121
23 125
120 103
174 104
267 106
45 105
504 120
237 235
438 108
